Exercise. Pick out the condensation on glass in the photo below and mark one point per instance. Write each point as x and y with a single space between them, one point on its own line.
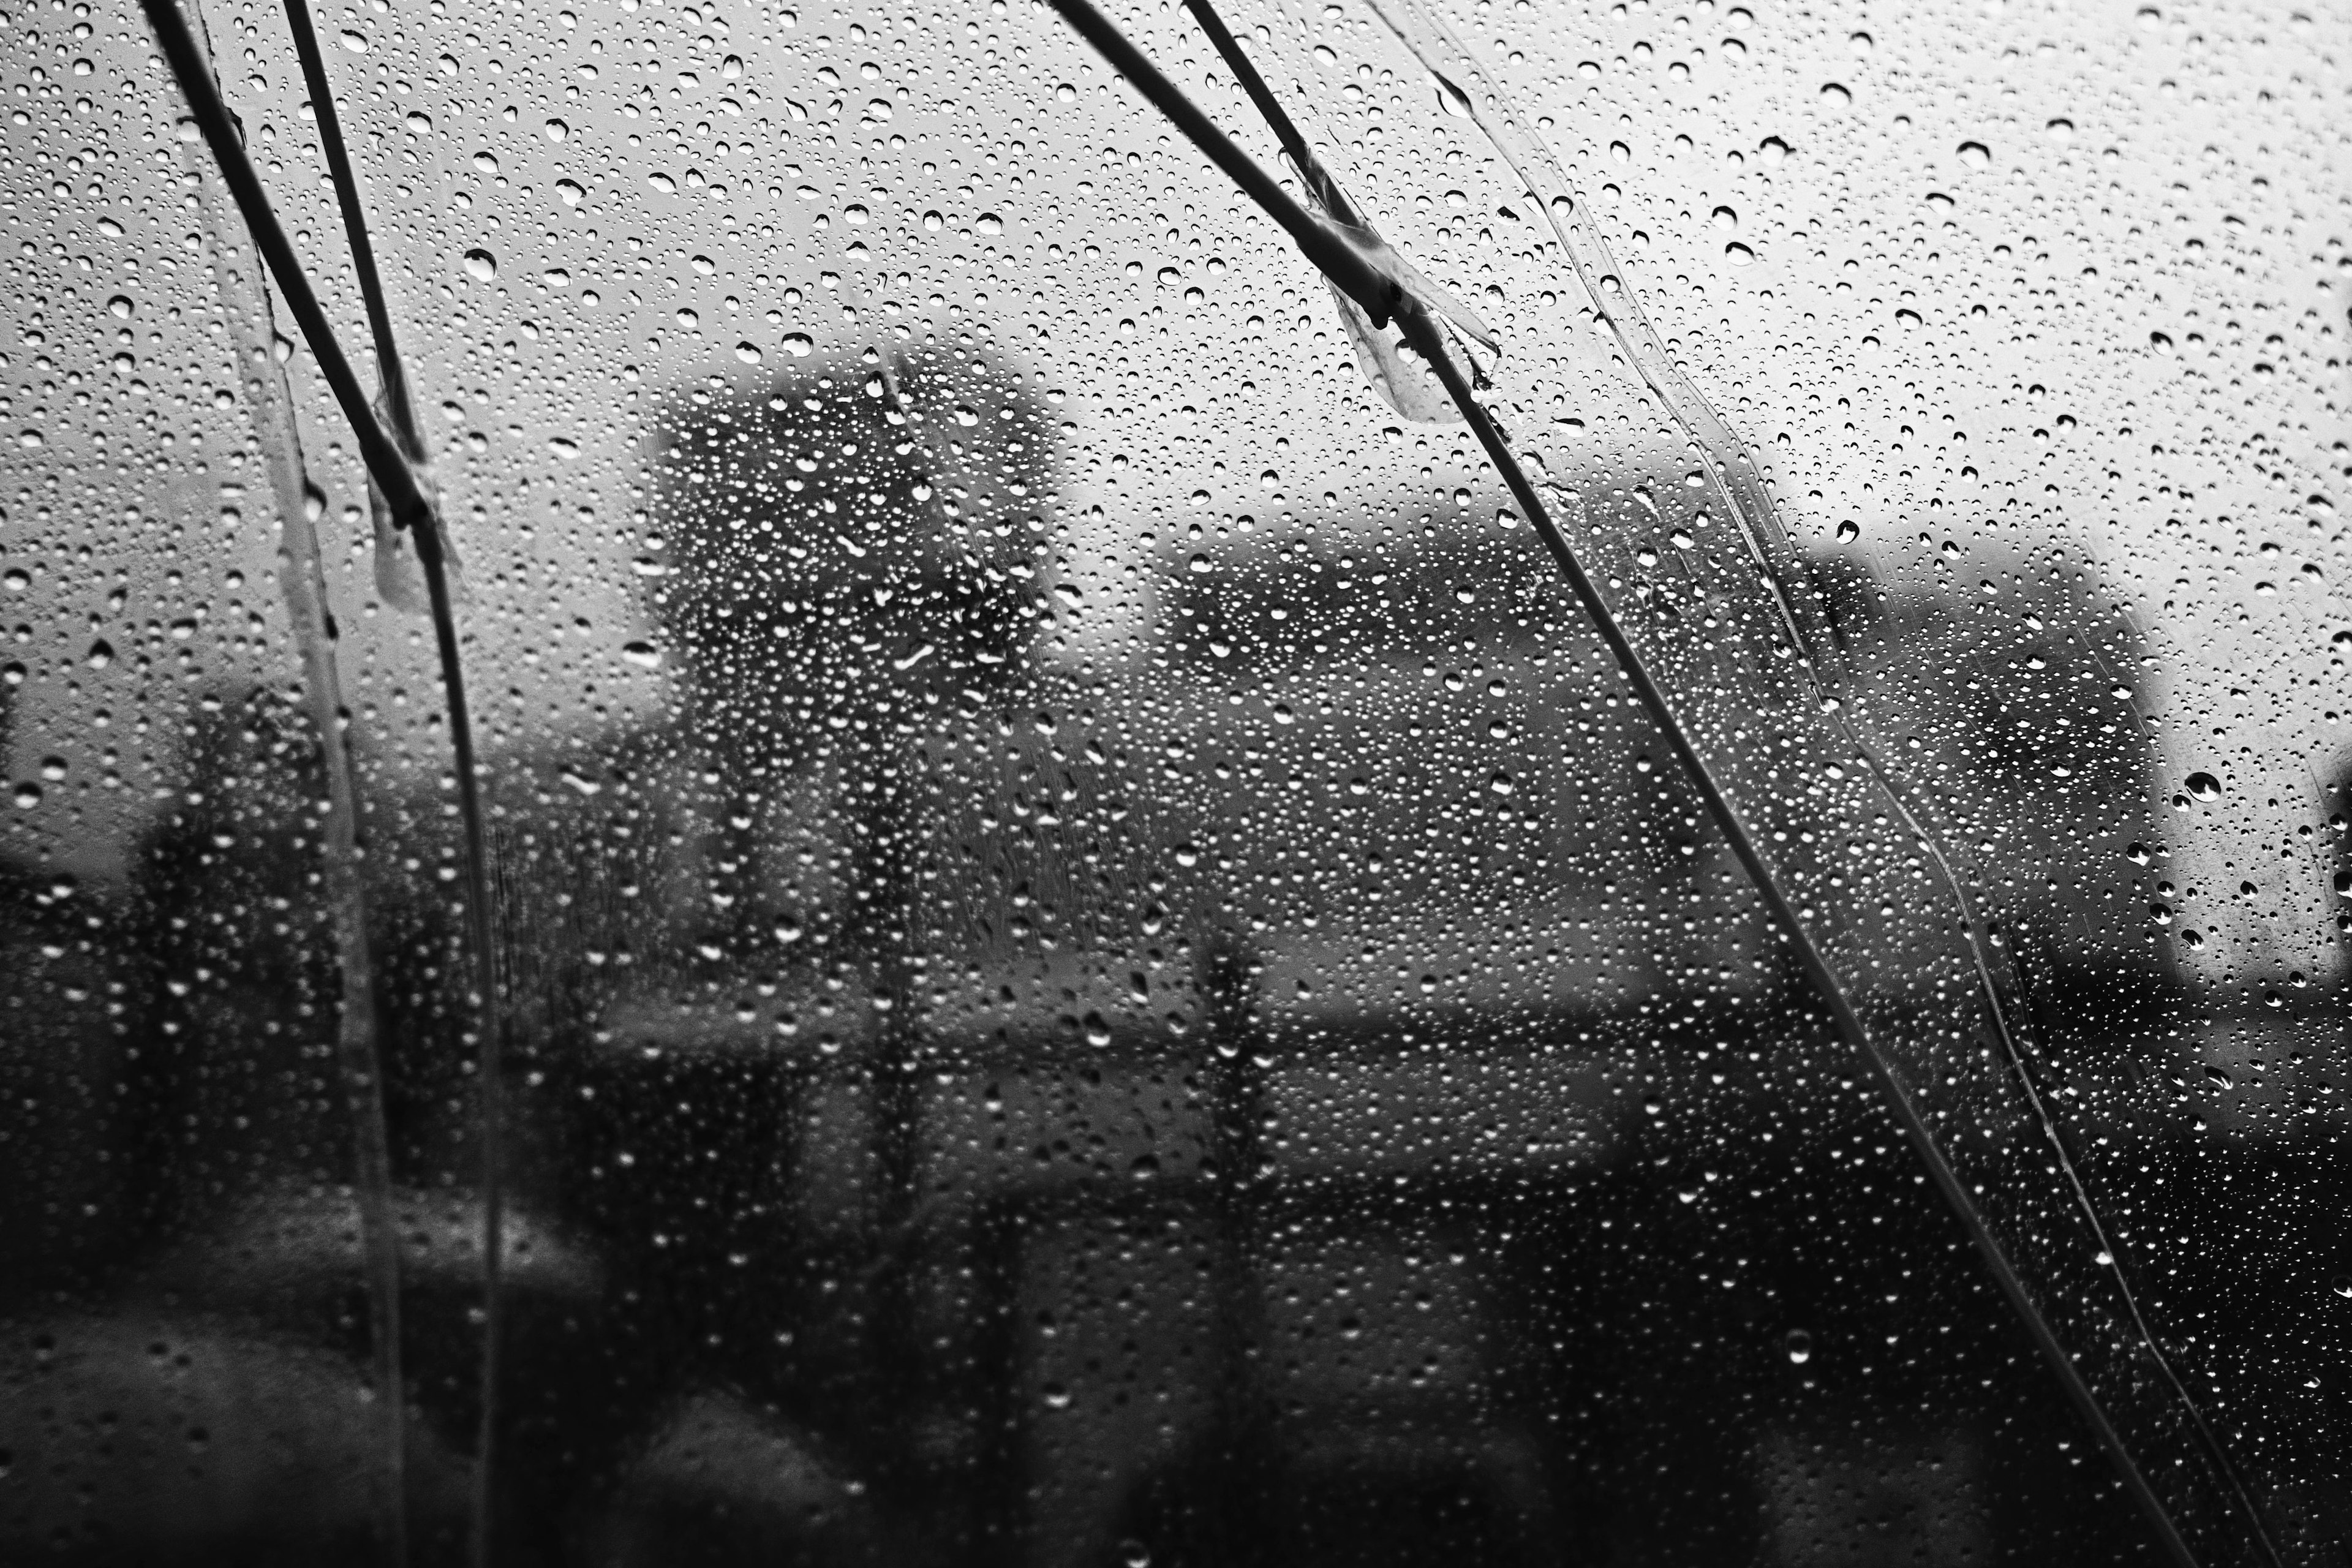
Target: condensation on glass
1097 963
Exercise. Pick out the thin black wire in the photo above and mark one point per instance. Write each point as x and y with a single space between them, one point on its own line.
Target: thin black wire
378 448
388 465
401 405
388 366
1423 334
1354 273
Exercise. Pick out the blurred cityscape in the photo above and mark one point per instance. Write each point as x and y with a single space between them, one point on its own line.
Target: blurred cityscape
980 1101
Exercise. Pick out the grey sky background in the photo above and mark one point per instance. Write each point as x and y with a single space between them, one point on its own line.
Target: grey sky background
2062 273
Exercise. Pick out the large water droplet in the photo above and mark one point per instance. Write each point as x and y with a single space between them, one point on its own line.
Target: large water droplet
556 130
355 41
570 192
749 353
798 344
481 266
2203 787
118 306
1975 154
1799 1345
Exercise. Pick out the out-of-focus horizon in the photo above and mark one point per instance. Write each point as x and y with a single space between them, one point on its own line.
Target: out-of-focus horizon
1097 962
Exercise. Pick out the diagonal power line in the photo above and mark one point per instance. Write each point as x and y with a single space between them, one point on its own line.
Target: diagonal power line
399 405
1421 330
386 464
387 454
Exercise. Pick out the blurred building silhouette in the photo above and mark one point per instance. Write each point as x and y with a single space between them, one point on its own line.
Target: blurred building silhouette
1309 1089
1073 1114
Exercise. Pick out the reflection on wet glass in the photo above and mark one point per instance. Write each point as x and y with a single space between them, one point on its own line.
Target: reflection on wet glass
1099 963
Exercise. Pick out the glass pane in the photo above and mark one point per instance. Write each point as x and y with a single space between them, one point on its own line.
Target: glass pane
1099 958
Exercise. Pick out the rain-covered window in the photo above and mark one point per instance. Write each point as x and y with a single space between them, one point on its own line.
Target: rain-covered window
1376 782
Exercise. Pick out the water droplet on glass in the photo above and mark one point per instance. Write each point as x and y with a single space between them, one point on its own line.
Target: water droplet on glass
556 130
642 654
355 41
989 223
1848 531
1724 217
1834 95
120 306
570 192
1738 254
101 654
1501 784
965 414
2060 130
29 795
486 162
798 344
1975 154
2160 342
29 437
1450 98
1860 43
1066 93
481 266
1799 1345
2203 787
748 353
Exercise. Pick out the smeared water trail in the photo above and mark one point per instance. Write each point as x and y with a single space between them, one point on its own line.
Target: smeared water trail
1774 554
406 494
359 1049
399 574
1816 932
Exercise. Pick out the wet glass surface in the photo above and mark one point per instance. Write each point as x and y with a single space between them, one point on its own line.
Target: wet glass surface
1098 957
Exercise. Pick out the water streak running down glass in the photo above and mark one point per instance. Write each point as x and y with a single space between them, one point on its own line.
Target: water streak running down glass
1099 961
